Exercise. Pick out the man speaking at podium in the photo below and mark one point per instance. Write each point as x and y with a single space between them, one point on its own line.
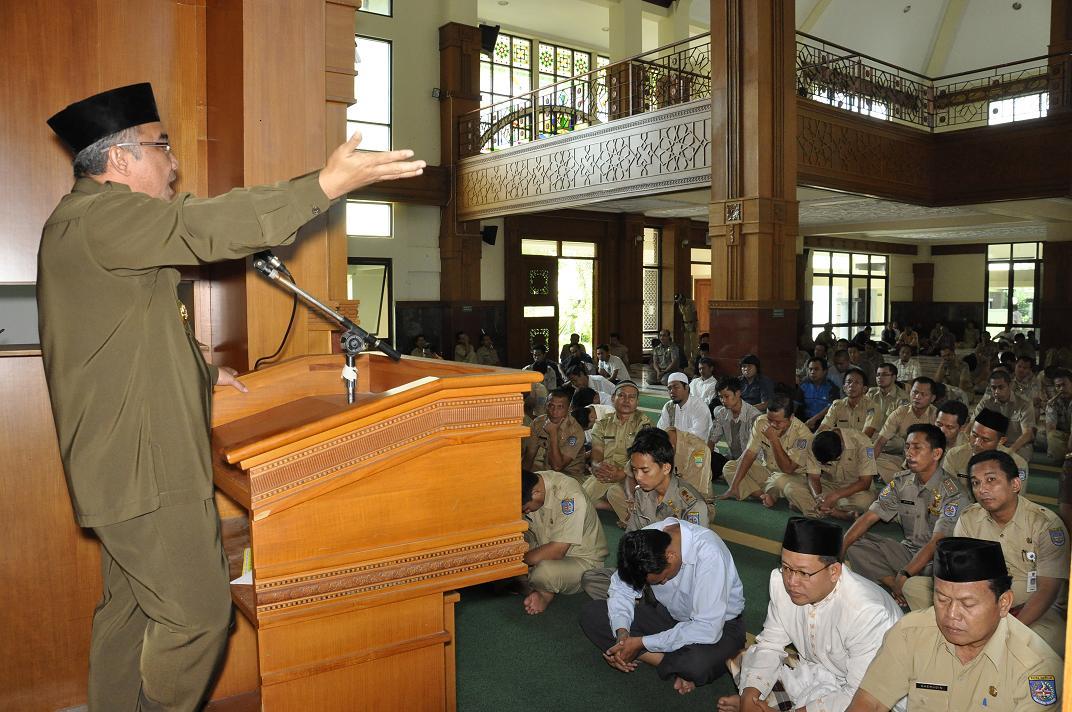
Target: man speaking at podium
130 392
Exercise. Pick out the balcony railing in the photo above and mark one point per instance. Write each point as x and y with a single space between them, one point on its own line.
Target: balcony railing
849 80
670 75
825 72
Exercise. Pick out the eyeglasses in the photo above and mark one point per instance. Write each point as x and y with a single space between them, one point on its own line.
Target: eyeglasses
788 572
155 144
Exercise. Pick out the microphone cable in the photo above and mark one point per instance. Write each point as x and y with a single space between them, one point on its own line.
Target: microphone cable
286 335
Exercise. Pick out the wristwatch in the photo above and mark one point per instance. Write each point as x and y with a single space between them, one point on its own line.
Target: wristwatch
904 573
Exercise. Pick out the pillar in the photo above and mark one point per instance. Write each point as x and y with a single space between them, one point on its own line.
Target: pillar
754 212
459 80
626 35
1055 309
675 26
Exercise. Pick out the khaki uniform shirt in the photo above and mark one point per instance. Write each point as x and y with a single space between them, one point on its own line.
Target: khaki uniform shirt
1029 390
615 437
857 459
957 375
887 402
1021 414
487 356
1034 542
955 463
682 501
902 418
666 357
568 517
622 352
130 391
924 509
570 444
1015 671
843 415
796 441
1059 413
692 463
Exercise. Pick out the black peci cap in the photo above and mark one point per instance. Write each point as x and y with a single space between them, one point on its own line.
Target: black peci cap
87 121
960 559
812 536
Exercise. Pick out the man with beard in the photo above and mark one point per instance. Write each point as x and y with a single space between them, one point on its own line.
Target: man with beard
683 411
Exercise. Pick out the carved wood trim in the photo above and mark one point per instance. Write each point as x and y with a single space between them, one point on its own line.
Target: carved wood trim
845 243
319 587
342 454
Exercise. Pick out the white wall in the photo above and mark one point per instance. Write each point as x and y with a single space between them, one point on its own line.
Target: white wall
492 265
959 278
901 277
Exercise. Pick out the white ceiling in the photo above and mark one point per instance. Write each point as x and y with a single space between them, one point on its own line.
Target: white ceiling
934 37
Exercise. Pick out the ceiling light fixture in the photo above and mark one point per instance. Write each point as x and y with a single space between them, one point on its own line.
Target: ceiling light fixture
504 3
1017 5
906 8
606 29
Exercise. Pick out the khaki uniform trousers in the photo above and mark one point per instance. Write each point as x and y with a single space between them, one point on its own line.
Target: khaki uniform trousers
798 493
1056 445
612 491
757 480
160 629
1050 626
875 557
559 575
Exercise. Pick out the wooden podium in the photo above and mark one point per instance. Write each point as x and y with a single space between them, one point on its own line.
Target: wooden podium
362 520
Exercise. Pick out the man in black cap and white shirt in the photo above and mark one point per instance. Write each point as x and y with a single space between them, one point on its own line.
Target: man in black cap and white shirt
835 619
130 391
967 652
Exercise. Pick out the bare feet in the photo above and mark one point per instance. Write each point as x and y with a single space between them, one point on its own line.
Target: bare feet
730 493
767 500
683 687
729 703
842 514
537 602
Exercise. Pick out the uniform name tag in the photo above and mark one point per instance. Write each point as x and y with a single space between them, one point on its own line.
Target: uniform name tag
932 686
1032 581
907 501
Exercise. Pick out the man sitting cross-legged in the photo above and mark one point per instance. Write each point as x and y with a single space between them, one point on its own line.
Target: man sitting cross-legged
927 503
834 618
843 488
780 445
654 493
565 537
689 624
611 437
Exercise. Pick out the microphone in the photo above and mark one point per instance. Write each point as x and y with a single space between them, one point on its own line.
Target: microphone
268 258
372 341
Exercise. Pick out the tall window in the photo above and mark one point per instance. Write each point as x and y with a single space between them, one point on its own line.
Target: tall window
848 290
371 112
376 7
507 71
650 283
575 288
1012 286
368 281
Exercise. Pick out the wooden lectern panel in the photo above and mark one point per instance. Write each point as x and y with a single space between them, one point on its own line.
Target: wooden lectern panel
362 518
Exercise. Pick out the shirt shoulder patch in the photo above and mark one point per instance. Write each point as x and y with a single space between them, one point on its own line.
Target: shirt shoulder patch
802 444
950 510
568 506
1057 536
1043 689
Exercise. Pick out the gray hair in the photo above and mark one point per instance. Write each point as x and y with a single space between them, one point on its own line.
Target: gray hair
93 159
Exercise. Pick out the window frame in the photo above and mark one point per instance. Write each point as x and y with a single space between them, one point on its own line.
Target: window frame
657 267
1012 261
852 326
390 10
390 90
389 288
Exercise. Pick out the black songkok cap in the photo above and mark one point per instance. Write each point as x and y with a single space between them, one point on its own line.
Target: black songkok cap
812 536
87 121
993 420
960 559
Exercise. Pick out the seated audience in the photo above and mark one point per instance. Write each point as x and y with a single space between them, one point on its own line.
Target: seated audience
583 413
665 359
987 434
756 388
654 493
908 368
886 394
552 374
839 365
1021 413
692 462
952 419
855 411
731 422
826 337
819 392
954 372
693 625
909 337
422 348
580 378
463 350
890 334
925 501
967 649
564 354
610 366
1059 416
1025 382
683 411
842 487
889 446
702 388
565 537
612 435
834 619
779 445
971 335
1033 540
486 354
556 440
617 348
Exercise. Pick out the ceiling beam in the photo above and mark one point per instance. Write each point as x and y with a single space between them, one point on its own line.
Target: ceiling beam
946 34
813 17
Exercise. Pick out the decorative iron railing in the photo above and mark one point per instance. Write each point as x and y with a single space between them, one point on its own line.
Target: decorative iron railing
825 72
667 76
849 80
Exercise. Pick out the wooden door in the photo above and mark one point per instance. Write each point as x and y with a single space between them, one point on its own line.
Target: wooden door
539 306
701 294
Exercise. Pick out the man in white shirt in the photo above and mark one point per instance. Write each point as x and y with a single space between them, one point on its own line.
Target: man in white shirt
693 625
834 618
703 386
610 366
580 378
684 412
